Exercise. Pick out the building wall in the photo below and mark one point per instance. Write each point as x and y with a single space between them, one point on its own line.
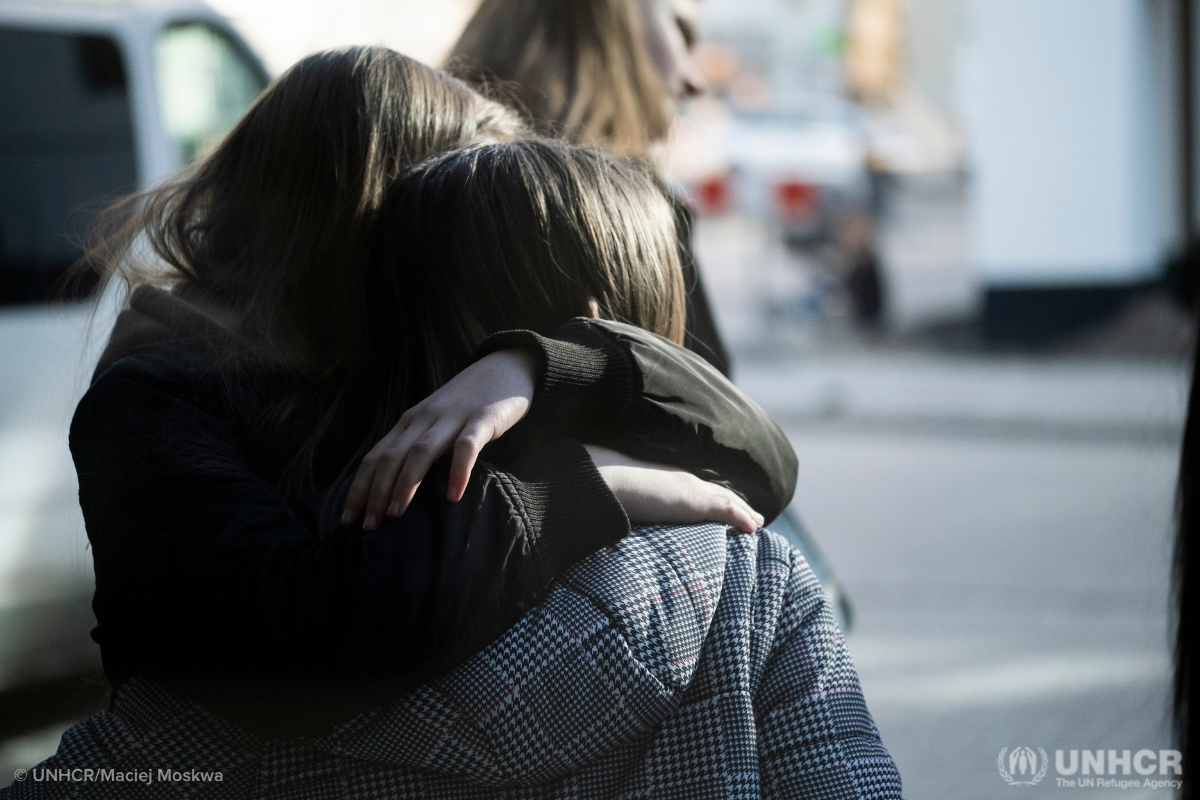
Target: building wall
1073 159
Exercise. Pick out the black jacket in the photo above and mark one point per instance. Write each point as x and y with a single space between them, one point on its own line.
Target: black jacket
701 336
207 579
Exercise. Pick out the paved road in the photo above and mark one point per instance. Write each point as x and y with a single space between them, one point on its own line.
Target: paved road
1003 530
1002 527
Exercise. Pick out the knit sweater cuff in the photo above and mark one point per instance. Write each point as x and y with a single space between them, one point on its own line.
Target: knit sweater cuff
585 376
561 487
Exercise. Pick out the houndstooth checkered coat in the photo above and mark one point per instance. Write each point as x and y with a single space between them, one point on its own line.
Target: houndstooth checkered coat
681 663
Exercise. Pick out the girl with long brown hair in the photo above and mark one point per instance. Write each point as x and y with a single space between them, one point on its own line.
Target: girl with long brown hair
218 445
609 73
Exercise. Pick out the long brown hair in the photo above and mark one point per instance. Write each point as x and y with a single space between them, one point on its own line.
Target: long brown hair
274 222
517 235
579 68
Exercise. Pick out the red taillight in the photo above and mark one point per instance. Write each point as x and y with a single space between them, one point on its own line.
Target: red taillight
713 195
796 199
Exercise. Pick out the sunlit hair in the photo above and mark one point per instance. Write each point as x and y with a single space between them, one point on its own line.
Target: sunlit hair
274 224
579 68
516 236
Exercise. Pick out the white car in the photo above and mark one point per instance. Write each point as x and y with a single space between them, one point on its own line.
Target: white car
97 99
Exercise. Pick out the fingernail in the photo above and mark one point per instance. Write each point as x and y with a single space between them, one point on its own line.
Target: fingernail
369 522
347 517
394 509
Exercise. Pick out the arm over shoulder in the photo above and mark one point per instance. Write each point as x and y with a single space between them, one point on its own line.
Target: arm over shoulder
619 386
200 562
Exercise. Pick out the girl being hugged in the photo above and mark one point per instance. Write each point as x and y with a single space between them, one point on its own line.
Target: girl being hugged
762 699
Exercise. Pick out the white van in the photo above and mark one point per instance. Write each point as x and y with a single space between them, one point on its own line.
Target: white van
97 99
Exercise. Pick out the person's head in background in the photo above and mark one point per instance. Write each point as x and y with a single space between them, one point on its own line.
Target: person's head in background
524 235
603 72
273 222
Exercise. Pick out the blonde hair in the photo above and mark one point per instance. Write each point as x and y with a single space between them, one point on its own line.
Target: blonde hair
578 68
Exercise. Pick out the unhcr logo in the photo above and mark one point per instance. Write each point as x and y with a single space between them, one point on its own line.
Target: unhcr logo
1023 767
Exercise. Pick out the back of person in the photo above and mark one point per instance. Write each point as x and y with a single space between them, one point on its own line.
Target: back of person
682 662
757 695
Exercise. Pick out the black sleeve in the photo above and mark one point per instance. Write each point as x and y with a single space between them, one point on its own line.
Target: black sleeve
619 386
701 335
201 563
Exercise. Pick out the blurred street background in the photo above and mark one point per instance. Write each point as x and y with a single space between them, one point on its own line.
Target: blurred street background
950 244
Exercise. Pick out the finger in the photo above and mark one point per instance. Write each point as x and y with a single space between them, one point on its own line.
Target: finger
752 519
729 509
356 498
388 463
745 512
739 517
753 516
427 449
470 442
